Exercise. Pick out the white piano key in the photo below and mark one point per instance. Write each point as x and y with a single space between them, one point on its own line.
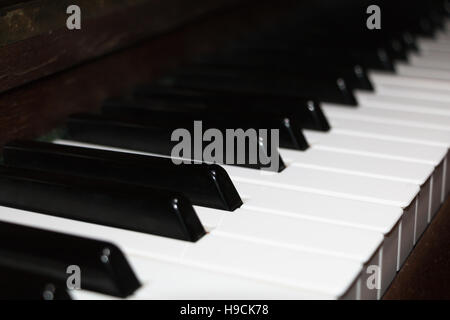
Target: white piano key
317 207
367 216
433 127
416 93
170 281
430 55
396 170
89 295
332 183
295 233
336 210
424 72
385 147
186 282
387 79
307 271
398 132
369 99
365 165
430 45
374 146
390 116
431 60
308 236
442 36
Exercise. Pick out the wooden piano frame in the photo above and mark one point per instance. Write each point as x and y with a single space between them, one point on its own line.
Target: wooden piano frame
48 72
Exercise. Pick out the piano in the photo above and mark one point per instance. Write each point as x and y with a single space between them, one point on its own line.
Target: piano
348 199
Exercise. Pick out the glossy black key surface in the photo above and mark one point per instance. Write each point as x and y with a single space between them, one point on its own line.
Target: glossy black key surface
329 89
377 58
118 133
21 285
364 39
290 133
155 138
287 63
103 267
354 73
204 184
345 32
307 112
120 205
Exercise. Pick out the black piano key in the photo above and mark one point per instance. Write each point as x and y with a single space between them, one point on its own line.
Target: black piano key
151 138
47 254
329 89
288 63
358 78
21 285
290 134
204 184
376 58
117 133
409 41
364 39
307 112
369 58
132 207
397 48
347 30
424 18
425 27
390 42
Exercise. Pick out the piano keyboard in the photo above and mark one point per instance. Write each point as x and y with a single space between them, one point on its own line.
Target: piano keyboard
356 188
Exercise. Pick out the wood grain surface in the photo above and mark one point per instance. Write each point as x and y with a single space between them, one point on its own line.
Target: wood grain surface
37 106
35 42
426 272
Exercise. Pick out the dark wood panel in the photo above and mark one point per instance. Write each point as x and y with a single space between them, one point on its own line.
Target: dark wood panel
34 40
21 20
38 106
426 272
